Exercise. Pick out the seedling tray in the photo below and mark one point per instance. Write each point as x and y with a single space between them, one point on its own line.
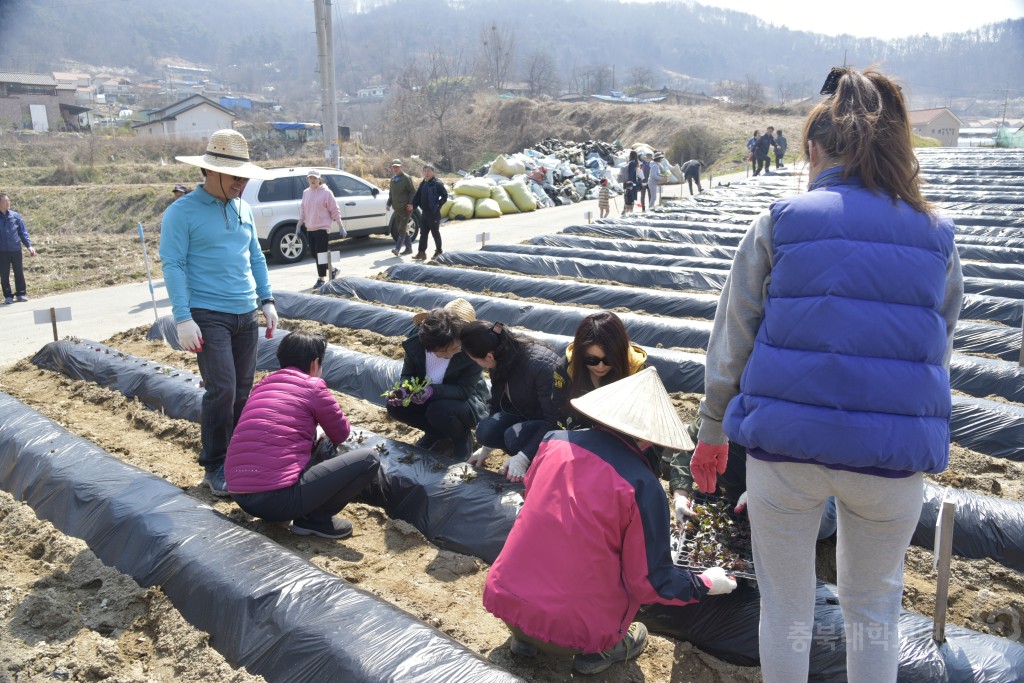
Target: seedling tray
716 537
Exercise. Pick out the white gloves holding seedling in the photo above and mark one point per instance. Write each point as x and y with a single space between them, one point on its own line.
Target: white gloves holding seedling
189 336
480 456
741 504
515 467
683 507
717 581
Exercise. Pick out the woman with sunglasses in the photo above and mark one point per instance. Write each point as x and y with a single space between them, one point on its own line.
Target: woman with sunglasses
521 412
599 354
318 210
829 362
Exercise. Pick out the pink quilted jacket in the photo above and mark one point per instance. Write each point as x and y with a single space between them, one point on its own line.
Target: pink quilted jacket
272 443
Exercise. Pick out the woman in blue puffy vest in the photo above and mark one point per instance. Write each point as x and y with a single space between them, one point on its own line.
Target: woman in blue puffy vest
829 363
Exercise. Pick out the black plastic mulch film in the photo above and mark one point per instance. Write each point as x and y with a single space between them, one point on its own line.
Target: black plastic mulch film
265 608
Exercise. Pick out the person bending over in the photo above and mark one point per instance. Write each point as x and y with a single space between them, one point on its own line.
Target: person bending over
521 413
455 399
591 542
270 469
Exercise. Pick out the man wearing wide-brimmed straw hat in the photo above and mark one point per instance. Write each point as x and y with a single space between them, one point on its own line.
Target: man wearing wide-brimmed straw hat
217 281
456 398
591 543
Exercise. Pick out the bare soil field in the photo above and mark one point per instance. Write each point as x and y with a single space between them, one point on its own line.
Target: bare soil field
380 557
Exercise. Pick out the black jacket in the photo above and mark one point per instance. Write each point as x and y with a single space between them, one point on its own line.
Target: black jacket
463 380
430 196
524 389
762 145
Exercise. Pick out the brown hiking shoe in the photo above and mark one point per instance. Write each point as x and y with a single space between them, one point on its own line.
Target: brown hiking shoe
420 256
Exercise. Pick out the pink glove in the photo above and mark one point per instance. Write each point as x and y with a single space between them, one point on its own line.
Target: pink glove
707 463
423 396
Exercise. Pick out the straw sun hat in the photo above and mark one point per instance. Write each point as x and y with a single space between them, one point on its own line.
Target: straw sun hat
460 308
639 406
228 153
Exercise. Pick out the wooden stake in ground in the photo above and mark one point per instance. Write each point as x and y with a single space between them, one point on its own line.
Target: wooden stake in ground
53 316
943 557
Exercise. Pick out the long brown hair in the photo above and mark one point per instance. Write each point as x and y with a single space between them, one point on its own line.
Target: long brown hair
864 126
607 331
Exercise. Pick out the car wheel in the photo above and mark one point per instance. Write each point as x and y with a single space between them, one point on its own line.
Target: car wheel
415 225
288 247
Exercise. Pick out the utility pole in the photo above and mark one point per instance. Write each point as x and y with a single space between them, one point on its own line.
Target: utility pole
328 92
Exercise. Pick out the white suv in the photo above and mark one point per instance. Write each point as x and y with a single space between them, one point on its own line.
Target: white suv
275 205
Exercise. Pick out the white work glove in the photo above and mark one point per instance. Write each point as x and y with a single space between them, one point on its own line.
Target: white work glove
341 229
189 336
741 504
683 507
298 228
721 583
480 456
515 467
270 313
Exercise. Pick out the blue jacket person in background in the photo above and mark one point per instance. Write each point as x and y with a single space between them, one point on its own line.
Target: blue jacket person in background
13 234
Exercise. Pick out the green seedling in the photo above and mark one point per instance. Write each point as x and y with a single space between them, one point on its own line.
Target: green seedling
411 385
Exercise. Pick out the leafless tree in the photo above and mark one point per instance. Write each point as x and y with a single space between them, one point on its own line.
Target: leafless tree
592 78
429 88
497 54
641 78
541 74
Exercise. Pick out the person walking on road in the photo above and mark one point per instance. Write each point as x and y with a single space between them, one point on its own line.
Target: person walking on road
400 194
217 280
430 197
13 234
780 148
761 152
829 362
318 211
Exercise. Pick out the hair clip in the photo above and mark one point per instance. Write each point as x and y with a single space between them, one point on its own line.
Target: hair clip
832 80
498 328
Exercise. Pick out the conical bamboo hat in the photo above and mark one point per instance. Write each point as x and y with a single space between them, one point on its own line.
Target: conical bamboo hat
639 406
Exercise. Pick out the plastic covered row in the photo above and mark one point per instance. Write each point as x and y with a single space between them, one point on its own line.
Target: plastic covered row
700 279
727 627
656 234
661 302
664 260
634 246
1010 289
265 608
995 308
643 329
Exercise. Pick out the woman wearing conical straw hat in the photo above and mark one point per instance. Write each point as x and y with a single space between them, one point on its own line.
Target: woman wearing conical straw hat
591 543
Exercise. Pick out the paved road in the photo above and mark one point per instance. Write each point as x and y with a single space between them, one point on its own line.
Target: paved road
100 313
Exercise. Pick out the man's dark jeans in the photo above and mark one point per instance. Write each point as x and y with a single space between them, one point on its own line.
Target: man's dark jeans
8 260
227 364
430 225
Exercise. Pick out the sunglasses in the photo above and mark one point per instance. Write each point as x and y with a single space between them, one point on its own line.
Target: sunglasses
594 361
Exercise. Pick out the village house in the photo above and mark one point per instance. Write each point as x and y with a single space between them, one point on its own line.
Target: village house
940 123
37 102
194 118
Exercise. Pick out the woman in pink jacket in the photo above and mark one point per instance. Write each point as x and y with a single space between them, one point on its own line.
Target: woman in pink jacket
591 543
270 469
318 211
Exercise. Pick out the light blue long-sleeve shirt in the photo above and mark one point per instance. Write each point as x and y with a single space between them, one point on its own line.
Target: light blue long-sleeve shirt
211 256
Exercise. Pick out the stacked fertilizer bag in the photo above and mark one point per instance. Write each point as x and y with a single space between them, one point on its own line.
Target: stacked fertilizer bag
491 196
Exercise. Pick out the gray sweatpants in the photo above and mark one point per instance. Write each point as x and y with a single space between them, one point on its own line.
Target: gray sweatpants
877 517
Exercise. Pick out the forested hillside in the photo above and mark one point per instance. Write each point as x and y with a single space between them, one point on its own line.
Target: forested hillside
587 45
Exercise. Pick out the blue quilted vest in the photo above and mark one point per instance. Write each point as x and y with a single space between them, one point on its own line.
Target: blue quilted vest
847 362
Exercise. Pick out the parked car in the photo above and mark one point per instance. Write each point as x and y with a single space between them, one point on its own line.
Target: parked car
275 206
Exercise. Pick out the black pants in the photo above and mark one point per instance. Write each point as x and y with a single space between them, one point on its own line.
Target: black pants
321 492
442 417
430 225
318 245
9 259
645 194
690 177
762 162
778 159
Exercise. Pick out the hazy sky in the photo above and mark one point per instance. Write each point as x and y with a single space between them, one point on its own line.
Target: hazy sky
875 18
